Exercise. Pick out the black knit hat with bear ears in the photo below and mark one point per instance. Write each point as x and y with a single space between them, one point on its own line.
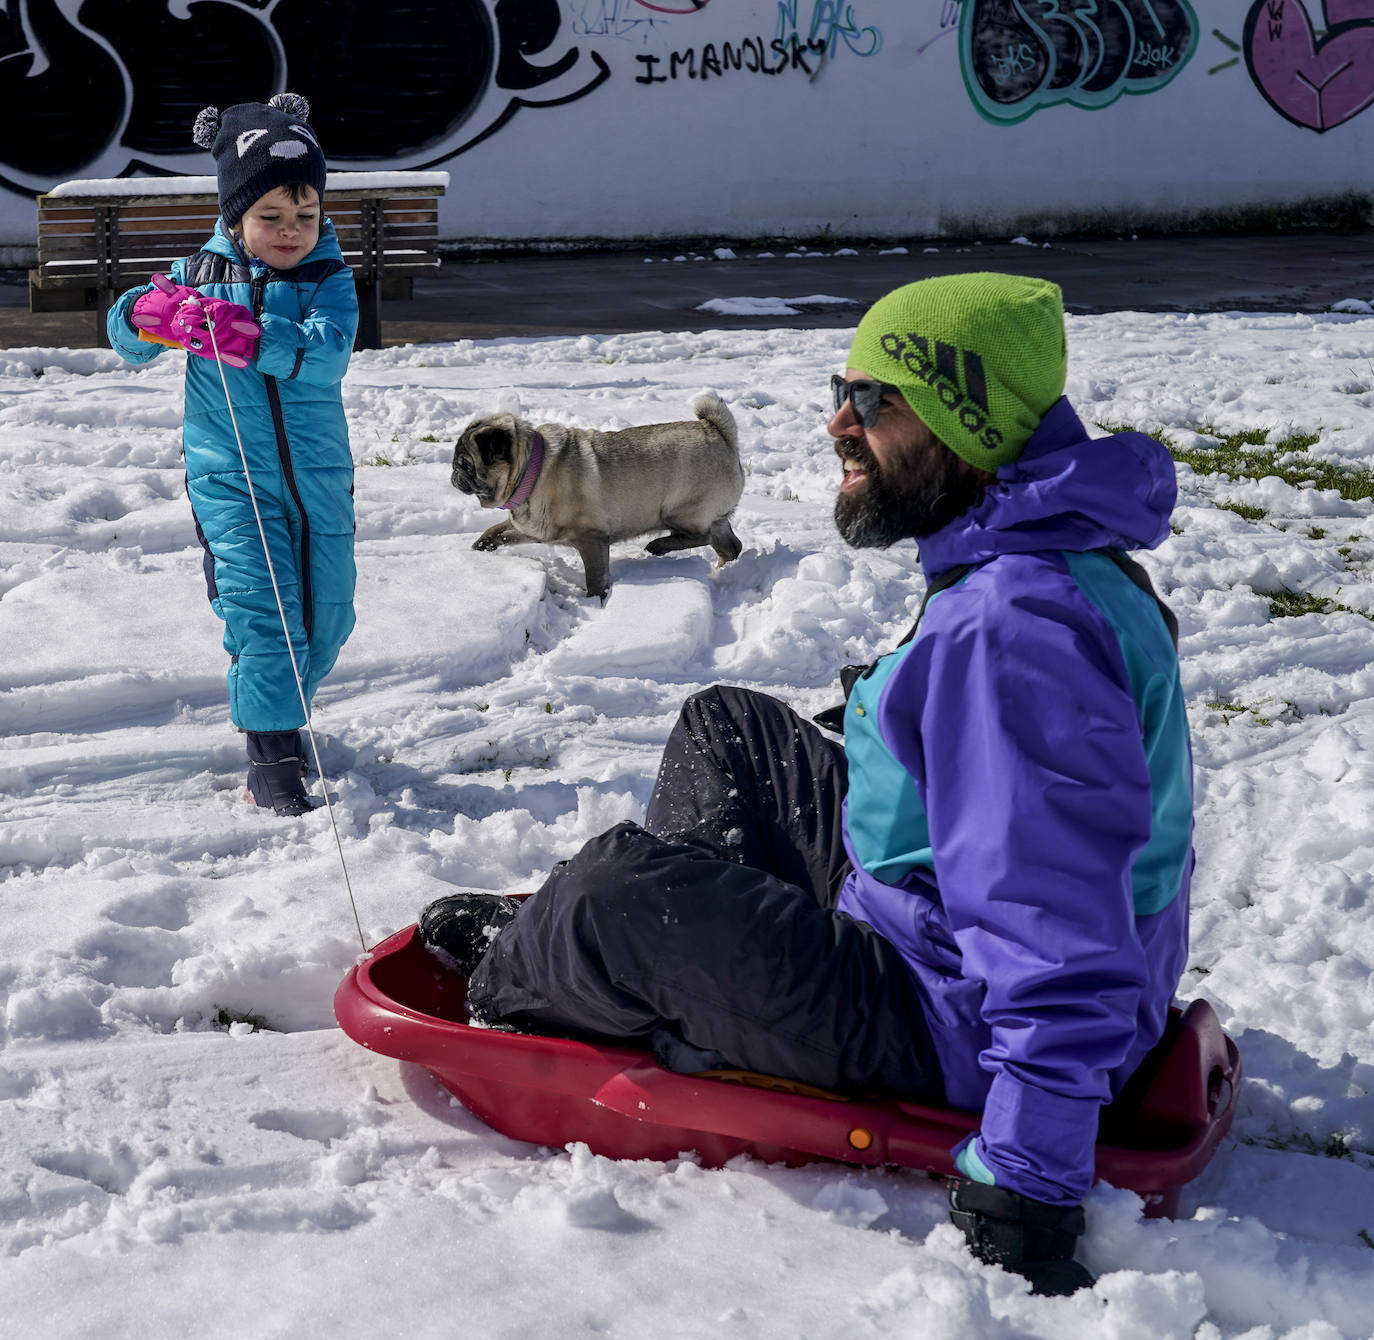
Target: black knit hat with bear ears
259 146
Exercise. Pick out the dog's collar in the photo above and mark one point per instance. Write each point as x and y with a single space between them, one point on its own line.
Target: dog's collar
531 475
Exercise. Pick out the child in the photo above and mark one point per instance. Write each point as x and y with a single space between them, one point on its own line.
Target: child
273 283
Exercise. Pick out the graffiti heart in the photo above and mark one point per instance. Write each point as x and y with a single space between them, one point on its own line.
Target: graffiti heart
1318 84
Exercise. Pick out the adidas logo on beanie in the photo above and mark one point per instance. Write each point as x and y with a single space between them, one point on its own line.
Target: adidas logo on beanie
980 357
259 146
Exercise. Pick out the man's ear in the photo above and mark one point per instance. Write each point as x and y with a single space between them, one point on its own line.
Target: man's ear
971 471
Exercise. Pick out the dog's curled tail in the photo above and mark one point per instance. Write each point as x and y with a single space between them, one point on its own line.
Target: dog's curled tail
714 411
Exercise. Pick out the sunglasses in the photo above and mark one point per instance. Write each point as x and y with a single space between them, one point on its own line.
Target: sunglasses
866 397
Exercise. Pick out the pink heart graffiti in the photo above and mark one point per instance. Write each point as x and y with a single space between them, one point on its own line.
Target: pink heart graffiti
1314 84
1348 11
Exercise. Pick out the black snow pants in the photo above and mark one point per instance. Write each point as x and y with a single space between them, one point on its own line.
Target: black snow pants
710 933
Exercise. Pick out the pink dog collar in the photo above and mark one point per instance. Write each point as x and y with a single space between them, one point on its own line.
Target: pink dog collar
527 480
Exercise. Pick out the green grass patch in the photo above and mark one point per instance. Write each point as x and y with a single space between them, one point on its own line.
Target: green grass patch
381 459
1336 1145
1244 510
1217 703
1287 604
1287 711
224 1016
1247 455
1230 709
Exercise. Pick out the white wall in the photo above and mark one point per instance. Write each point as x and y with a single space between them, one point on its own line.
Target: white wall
889 144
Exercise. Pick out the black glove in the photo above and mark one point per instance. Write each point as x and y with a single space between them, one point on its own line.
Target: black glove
1033 1239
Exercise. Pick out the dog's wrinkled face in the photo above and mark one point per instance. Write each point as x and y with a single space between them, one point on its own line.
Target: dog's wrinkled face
484 461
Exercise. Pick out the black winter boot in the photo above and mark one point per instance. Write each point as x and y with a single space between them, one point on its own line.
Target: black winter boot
463 925
276 772
1027 1236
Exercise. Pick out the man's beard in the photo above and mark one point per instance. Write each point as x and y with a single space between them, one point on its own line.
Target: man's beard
903 502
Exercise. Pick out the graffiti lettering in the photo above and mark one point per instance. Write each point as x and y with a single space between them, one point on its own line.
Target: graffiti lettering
625 19
949 23
1230 46
830 24
1315 84
1019 56
458 73
1016 60
752 54
689 7
1160 57
49 49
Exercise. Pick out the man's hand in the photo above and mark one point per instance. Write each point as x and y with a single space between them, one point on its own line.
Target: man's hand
1023 1235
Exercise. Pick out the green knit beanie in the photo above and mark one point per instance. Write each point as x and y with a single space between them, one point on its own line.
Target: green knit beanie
980 357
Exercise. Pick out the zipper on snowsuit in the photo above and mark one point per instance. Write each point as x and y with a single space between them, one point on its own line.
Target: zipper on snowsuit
288 472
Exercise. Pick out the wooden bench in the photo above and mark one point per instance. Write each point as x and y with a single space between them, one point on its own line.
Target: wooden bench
96 239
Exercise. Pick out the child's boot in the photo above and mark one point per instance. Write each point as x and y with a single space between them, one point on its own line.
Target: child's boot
276 772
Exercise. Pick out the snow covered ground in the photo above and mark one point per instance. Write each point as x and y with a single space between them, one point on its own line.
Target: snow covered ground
165 1171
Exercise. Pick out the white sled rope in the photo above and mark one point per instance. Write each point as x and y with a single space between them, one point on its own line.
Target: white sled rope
286 632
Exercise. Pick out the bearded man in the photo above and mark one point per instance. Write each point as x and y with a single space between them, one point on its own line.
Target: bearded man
981 897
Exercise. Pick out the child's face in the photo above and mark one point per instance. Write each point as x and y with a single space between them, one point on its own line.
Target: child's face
280 230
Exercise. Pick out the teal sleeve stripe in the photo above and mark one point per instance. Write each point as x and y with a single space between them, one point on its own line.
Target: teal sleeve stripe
973 1167
886 820
1152 666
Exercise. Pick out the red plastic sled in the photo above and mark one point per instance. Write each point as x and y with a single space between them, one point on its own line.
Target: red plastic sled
1155 1138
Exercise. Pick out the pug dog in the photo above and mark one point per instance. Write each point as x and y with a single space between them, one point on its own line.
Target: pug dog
565 485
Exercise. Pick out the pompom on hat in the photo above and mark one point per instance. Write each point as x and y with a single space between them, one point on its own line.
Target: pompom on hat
980 357
259 146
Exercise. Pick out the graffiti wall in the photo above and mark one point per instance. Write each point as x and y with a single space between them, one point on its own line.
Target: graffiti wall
629 119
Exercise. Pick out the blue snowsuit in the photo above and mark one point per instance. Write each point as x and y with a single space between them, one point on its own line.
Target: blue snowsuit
289 410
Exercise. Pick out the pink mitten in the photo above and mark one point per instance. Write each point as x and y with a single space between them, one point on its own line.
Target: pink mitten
235 331
153 312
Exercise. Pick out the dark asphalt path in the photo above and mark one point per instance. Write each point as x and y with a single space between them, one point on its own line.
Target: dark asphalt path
616 291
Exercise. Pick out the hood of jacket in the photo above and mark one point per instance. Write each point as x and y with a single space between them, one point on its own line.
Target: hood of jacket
1066 491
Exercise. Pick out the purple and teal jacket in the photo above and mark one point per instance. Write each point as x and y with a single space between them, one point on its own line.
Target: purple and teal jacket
1019 815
